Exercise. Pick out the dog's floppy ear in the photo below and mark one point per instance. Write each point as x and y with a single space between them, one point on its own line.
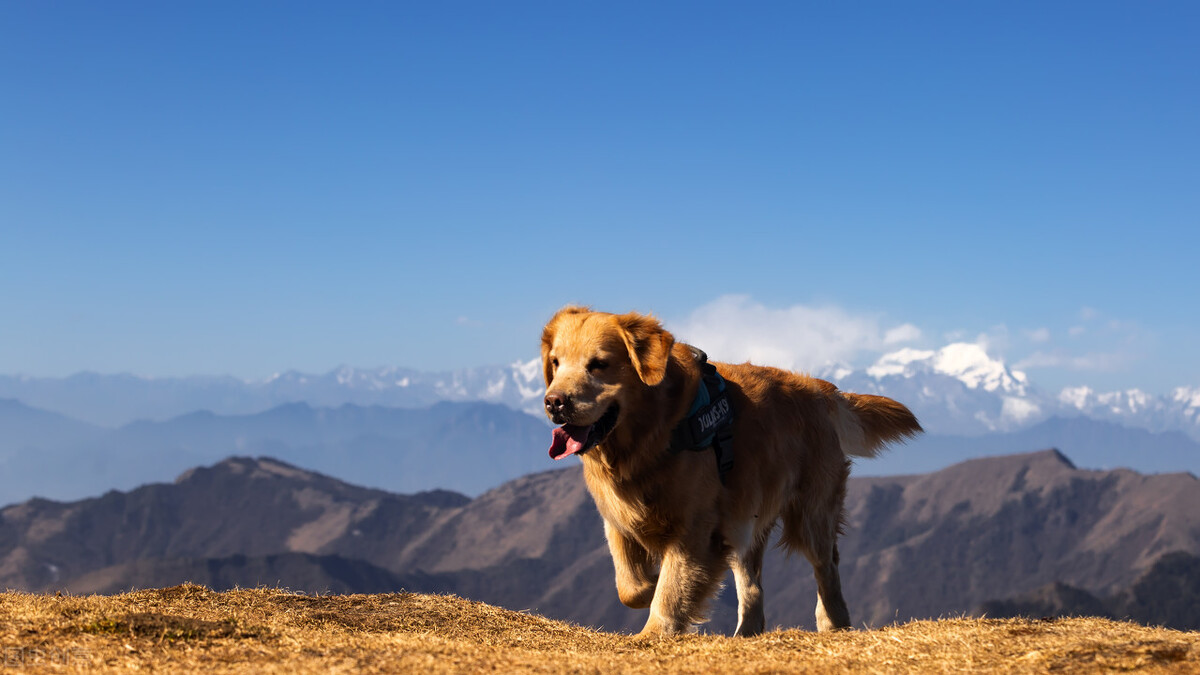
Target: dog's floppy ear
649 345
548 338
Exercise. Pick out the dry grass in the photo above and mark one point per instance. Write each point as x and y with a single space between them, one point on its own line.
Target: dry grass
190 628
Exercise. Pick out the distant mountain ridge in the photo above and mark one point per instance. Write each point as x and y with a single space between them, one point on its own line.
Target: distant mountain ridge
956 390
916 546
116 400
465 446
1167 594
403 430
1095 444
961 390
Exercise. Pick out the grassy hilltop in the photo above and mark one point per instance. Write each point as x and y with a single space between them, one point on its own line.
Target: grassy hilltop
189 627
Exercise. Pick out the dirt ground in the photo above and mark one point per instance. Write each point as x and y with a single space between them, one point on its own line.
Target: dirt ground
190 628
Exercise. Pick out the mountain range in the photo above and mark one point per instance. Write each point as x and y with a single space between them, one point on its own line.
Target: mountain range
469 431
467 447
1167 594
961 390
960 540
117 400
956 390
1093 444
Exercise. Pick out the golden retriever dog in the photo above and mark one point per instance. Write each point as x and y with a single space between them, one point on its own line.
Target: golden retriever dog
620 384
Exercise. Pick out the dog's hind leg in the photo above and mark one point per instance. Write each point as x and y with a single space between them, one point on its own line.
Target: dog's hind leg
832 613
746 561
811 525
636 572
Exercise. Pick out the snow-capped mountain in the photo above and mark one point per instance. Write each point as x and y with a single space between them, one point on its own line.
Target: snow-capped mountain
518 385
1177 411
968 363
114 400
959 389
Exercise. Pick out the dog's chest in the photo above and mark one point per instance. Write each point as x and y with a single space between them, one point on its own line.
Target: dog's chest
647 513
647 522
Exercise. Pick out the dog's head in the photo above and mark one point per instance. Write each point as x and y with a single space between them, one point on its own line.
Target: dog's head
595 364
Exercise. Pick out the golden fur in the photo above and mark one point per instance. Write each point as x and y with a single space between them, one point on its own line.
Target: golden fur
673 528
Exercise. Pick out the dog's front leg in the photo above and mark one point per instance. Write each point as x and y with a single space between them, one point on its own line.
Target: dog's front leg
689 575
636 573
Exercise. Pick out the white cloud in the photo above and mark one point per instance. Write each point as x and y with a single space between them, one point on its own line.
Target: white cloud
995 341
1043 360
1019 409
1038 335
1094 362
902 334
736 328
825 339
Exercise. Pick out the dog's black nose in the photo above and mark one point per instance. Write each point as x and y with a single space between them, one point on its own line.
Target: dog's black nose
555 404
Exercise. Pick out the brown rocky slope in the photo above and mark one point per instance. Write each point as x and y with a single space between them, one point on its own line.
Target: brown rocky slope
939 544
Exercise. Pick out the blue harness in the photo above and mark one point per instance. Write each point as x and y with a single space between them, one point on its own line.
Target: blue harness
709 422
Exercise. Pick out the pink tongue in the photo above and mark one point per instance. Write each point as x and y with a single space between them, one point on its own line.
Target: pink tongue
568 440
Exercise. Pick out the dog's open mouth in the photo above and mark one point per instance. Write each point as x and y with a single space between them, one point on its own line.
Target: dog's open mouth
571 439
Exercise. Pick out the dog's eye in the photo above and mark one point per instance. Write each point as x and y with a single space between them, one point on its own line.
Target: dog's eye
596 365
554 362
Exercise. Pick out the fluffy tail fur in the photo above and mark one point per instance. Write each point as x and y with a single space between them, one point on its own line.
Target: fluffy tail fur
873 422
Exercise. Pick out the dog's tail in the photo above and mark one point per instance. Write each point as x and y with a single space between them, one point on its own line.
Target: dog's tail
872 423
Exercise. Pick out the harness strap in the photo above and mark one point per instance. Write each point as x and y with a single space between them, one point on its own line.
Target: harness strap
709 422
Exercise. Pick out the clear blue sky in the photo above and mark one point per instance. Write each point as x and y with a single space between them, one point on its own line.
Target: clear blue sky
248 187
